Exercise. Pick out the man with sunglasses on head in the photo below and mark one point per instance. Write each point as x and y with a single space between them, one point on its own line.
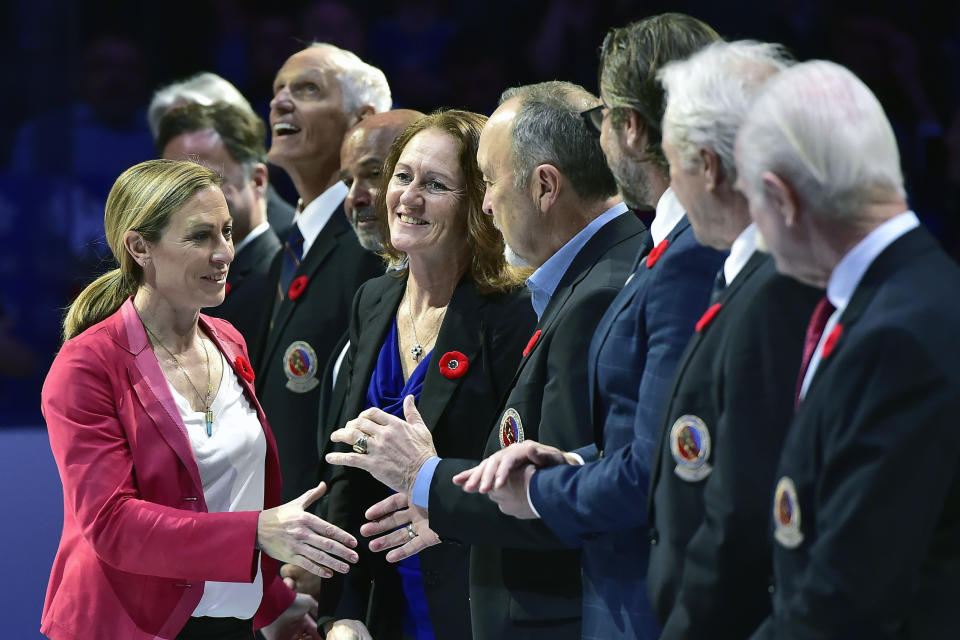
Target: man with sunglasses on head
600 505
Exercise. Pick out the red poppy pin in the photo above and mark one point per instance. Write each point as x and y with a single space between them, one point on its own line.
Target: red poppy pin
226 289
656 252
297 287
831 341
453 365
533 341
708 316
244 369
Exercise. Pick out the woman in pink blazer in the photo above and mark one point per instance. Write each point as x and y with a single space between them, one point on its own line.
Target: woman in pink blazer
170 474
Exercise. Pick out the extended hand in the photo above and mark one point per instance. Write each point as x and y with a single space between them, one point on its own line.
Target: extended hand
493 472
295 623
396 449
291 534
301 580
391 513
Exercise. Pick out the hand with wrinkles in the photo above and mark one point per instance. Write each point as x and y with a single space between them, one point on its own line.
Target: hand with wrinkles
391 517
291 534
396 449
505 476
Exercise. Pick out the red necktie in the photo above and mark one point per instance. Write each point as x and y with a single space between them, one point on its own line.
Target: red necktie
818 321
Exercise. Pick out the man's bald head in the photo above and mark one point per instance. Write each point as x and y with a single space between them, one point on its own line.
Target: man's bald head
361 157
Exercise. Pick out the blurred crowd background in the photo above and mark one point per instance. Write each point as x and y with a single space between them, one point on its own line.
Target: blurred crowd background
78 76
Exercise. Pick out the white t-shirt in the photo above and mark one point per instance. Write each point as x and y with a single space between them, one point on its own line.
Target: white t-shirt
232 467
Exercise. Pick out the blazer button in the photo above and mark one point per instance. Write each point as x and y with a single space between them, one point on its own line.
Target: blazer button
654 536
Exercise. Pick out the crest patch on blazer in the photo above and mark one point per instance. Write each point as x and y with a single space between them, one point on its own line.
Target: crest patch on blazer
690 446
300 366
511 428
786 514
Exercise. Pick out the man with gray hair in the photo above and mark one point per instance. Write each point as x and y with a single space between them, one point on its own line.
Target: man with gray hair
319 93
206 88
866 503
555 201
732 401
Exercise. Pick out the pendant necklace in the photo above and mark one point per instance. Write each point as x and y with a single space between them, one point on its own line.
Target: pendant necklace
417 349
207 410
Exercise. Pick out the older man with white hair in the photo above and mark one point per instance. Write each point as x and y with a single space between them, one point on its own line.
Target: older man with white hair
732 401
866 505
319 93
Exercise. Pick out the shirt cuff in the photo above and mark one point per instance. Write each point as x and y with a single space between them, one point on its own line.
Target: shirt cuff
529 499
576 456
421 486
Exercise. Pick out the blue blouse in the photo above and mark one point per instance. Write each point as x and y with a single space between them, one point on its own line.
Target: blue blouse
386 391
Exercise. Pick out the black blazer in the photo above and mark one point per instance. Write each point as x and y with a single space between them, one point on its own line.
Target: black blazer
490 330
302 336
867 540
250 292
523 583
735 386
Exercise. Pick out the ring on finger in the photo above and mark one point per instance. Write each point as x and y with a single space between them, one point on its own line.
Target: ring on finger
410 531
360 446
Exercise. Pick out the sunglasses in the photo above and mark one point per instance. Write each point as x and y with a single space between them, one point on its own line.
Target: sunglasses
594 118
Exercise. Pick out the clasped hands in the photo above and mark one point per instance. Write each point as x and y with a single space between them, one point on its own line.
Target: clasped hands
505 476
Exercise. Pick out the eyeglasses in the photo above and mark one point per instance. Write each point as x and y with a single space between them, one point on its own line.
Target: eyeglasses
594 118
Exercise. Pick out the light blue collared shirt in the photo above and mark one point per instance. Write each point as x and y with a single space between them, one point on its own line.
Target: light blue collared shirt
848 273
542 284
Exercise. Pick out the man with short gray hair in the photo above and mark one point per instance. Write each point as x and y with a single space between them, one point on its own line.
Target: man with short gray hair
866 503
319 93
732 401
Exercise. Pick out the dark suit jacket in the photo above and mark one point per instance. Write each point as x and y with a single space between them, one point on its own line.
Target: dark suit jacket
735 389
523 583
491 331
250 293
874 454
633 357
335 266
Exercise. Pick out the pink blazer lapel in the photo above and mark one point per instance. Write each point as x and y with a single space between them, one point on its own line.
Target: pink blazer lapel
153 392
231 351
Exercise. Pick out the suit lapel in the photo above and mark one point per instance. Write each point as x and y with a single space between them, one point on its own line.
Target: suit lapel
153 391
756 259
592 251
326 242
378 314
461 331
902 251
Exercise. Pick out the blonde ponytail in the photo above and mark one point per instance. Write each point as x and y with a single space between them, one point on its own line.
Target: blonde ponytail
99 300
142 199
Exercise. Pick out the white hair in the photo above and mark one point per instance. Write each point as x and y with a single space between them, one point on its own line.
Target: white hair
203 88
820 128
708 95
361 83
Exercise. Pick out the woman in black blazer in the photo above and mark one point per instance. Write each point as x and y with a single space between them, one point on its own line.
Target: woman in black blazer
448 325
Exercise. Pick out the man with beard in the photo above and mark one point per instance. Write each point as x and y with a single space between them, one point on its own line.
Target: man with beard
594 497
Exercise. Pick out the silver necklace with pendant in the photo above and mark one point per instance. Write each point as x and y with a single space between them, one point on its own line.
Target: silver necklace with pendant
417 349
